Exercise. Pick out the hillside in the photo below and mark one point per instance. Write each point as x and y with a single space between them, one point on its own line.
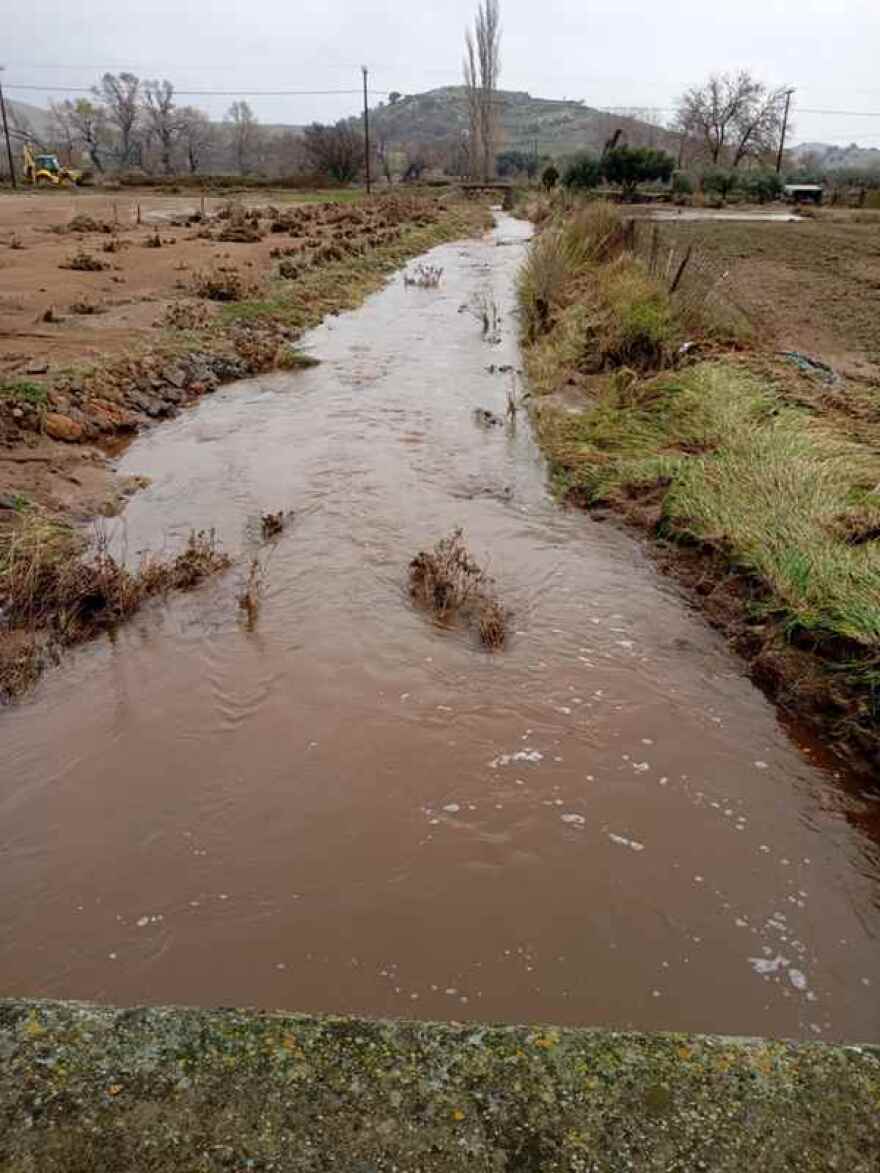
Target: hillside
545 125
836 158
29 121
541 125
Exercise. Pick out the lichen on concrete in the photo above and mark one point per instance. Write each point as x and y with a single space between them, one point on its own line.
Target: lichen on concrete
97 1089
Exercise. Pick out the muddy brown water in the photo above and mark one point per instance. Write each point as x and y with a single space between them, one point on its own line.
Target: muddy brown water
349 809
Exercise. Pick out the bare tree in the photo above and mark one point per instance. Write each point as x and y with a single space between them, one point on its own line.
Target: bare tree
163 118
474 150
336 151
196 135
120 94
63 130
482 65
245 133
733 116
86 124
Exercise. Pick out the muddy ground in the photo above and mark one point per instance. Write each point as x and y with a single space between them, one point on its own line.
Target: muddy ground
812 286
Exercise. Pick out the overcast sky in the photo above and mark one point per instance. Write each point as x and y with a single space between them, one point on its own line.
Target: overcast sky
607 52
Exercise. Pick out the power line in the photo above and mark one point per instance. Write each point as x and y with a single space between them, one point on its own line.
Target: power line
630 110
243 93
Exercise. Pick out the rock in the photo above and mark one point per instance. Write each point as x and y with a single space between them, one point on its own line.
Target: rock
487 419
17 413
109 417
37 366
175 376
62 427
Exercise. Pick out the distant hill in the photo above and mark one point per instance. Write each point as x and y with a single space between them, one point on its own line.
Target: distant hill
546 125
835 158
28 121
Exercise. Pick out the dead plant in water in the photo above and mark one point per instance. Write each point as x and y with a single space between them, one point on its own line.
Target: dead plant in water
251 596
58 589
424 276
272 524
485 309
450 582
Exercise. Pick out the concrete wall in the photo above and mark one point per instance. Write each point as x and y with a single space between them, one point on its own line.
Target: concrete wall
88 1088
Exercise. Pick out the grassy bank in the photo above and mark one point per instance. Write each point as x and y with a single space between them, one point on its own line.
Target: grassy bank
766 504
58 589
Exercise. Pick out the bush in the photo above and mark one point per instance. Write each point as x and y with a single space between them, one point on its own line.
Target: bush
720 181
514 162
84 262
583 172
549 177
225 283
761 186
682 184
630 166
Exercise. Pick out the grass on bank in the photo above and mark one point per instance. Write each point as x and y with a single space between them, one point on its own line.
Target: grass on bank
778 489
57 589
770 485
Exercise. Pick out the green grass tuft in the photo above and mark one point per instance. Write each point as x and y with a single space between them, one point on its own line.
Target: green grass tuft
26 391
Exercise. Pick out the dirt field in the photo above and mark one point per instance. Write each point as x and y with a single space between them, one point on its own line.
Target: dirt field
129 295
812 287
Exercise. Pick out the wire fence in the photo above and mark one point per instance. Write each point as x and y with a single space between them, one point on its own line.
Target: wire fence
700 283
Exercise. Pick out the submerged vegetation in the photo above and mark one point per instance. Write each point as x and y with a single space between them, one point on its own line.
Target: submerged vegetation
450 583
57 589
778 502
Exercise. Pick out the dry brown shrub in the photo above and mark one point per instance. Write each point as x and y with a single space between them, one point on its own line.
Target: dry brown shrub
82 222
450 582
223 283
186 315
246 233
84 262
86 308
56 589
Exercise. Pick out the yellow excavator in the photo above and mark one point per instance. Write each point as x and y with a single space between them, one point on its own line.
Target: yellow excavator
45 169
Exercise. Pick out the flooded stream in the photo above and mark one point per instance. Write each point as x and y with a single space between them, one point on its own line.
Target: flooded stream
349 809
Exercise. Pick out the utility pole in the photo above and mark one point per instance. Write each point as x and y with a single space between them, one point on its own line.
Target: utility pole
366 132
788 94
6 134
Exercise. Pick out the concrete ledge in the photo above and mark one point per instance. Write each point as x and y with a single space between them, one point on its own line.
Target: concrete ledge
91 1088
